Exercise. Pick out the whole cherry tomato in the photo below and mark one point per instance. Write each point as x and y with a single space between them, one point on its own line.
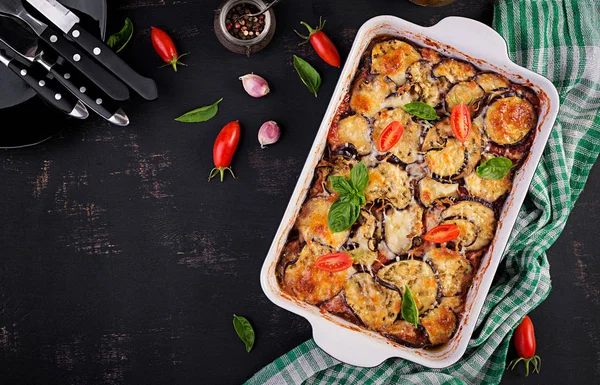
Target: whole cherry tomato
224 148
164 46
524 340
321 43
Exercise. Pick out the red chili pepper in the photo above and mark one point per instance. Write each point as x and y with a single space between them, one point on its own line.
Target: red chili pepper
224 148
334 262
460 121
525 345
321 43
442 233
390 136
164 46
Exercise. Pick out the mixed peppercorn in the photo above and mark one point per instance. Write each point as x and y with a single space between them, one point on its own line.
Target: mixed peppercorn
241 27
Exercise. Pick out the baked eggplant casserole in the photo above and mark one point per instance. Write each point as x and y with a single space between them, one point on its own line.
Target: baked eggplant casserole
443 175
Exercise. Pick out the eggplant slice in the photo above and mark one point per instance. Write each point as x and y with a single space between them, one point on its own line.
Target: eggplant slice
389 183
468 230
418 276
375 305
509 120
469 93
454 271
430 89
449 162
370 93
431 190
313 225
440 325
479 214
487 189
454 70
309 283
362 244
400 227
490 81
354 129
455 303
392 58
406 334
407 148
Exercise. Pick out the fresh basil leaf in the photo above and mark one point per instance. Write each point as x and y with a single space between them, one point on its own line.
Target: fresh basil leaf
244 331
201 114
362 199
341 184
309 76
359 176
494 168
421 110
410 312
119 40
342 214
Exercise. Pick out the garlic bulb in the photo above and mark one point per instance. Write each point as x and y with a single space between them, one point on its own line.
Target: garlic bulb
255 86
268 133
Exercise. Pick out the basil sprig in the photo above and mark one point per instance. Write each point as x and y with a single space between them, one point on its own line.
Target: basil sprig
244 331
410 312
421 110
119 40
494 168
346 209
201 114
309 76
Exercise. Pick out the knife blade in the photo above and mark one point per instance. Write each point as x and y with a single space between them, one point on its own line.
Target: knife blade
95 72
26 46
68 22
48 89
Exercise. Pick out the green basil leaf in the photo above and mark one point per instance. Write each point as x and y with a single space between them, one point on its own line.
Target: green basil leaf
421 110
359 176
244 331
310 77
342 214
362 199
341 184
494 168
410 312
201 114
119 40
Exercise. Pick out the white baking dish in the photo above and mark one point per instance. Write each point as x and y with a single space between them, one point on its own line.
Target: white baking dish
456 37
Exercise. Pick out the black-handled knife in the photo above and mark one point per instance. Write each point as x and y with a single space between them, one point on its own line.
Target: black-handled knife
89 67
68 22
49 90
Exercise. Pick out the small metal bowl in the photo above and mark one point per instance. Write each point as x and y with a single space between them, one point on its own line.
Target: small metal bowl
244 47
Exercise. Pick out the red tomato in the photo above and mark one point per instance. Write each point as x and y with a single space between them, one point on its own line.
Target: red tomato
224 148
390 136
442 233
322 44
164 46
334 262
460 121
524 340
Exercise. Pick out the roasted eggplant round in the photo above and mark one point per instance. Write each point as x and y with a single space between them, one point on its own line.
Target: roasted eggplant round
454 70
407 148
482 216
509 120
370 94
487 189
406 334
431 190
389 183
440 325
355 130
312 223
362 244
391 58
400 227
430 89
454 271
491 81
469 93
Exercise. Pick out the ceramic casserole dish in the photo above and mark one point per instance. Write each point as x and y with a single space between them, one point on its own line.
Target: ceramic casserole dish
455 37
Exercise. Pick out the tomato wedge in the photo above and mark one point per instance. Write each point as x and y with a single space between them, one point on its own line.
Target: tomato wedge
334 262
442 233
390 136
460 121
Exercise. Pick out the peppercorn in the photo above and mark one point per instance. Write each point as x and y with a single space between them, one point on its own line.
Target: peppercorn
241 27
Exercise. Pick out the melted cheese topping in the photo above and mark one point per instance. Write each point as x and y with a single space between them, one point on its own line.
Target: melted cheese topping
309 283
313 225
363 238
449 161
405 333
376 306
454 271
418 276
431 190
455 303
508 120
355 130
368 96
468 230
487 189
440 324
388 182
491 81
464 92
483 217
407 148
454 70
392 58
400 227
429 88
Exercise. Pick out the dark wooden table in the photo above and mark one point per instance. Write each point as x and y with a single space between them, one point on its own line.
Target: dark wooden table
121 264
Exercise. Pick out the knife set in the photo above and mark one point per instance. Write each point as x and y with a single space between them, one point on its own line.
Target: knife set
92 76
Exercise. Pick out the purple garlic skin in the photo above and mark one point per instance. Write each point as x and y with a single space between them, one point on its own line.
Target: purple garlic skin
268 133
255 86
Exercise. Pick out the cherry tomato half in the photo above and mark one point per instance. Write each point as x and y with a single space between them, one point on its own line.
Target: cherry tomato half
460 121
442 233
390 136
334 262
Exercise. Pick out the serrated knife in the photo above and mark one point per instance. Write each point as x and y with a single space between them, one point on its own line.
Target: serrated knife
90 68
68 22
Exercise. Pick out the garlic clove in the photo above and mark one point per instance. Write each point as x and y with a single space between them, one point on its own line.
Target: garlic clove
255 85
268 133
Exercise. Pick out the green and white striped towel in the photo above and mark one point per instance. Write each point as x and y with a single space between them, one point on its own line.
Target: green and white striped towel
559 39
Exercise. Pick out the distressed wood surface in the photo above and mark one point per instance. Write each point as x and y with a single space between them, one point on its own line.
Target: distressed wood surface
121 264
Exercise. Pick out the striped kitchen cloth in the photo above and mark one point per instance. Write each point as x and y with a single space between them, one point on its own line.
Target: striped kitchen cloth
559 39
